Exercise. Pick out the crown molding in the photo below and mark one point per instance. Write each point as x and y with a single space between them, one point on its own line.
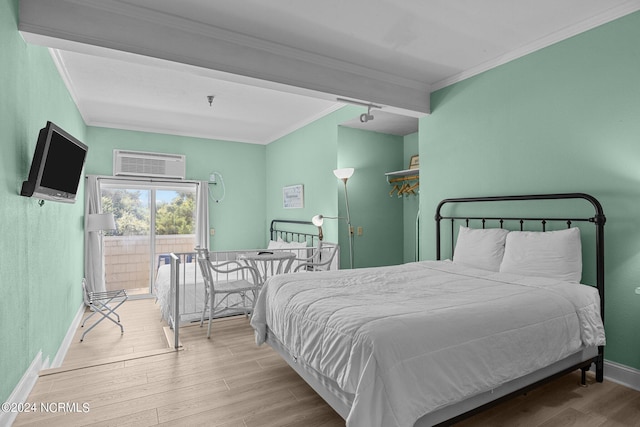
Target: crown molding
588 24
58 61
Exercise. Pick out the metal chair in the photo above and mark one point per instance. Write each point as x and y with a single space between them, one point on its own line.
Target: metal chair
223 281
320 260
98 303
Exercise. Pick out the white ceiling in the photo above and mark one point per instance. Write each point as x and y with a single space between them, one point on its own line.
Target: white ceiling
359 49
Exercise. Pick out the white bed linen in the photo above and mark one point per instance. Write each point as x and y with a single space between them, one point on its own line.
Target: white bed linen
407 340
191 288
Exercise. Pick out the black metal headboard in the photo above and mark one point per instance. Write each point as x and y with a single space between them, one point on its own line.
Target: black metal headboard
294 231
598 219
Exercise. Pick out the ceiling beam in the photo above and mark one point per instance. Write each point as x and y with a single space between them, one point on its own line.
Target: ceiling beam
116 25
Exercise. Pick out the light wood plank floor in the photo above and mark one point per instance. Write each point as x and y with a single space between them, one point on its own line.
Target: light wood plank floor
135 380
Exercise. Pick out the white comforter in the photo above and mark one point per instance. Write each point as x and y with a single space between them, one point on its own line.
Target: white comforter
407 340
191 290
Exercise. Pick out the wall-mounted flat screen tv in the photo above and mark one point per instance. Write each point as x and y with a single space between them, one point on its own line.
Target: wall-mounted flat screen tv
56 167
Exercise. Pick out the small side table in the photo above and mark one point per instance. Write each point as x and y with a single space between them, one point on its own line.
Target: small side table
268 263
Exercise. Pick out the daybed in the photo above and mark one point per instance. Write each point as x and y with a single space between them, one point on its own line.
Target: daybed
431 342
299 237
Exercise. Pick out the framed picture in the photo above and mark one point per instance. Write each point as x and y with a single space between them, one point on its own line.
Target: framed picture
414 163
293 196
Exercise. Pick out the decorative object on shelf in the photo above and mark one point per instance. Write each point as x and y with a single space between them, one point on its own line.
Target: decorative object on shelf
414 163
293 196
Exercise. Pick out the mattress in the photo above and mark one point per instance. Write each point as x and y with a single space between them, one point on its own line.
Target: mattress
191 291
409 340
191 287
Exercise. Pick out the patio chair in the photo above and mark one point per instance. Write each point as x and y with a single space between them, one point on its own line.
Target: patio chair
231 288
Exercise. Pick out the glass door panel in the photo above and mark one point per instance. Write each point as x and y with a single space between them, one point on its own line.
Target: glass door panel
144 236
174 223
127 249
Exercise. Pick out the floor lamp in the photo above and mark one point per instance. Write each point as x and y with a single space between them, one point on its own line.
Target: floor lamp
344 174
99 222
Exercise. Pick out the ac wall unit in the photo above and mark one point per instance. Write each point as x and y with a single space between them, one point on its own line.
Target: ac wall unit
140 163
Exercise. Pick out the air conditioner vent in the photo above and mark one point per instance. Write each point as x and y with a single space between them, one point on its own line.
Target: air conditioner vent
139 163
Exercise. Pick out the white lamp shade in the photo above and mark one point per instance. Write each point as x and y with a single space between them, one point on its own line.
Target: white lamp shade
98 222
317 220
344 173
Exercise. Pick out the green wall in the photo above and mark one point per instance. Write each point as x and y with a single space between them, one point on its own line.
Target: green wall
563 119
41 248
410 204
309 155
380 216
239 218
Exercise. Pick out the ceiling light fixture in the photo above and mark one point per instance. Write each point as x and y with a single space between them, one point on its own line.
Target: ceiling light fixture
210 99
364 117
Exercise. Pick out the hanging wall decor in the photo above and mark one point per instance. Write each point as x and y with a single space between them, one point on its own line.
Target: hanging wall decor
293 196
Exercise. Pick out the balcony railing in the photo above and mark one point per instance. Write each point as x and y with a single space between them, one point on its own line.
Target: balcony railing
127 259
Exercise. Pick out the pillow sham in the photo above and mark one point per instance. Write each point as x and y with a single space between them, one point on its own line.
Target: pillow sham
480 247
552 254
291 245
274 245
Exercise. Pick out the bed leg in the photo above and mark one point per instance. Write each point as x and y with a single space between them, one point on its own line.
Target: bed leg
600 365
583 376
600 371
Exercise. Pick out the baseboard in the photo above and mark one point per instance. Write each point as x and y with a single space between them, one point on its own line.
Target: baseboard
621 374
25 385
23 388
66 342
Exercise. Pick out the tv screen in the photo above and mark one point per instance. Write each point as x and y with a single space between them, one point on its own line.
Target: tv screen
56 167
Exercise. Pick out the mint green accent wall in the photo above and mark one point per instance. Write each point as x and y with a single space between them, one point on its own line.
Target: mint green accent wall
239 218
307 156
410 204
41 248
380 216
563 119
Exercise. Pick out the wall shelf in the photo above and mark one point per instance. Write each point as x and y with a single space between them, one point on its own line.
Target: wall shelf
402 173
405 182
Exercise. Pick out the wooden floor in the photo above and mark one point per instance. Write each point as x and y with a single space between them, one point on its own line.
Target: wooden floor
136 380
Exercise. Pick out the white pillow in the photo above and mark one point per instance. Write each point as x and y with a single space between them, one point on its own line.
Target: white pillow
293 246
480 247
553 254
274 245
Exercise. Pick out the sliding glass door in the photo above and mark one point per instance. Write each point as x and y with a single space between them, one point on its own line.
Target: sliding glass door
153 219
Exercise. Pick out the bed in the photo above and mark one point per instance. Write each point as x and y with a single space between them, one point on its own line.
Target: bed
432 342
183 301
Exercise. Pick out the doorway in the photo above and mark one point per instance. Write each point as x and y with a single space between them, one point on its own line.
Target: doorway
153 219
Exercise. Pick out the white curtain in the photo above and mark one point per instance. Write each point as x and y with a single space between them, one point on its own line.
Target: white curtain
202 215
93 249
